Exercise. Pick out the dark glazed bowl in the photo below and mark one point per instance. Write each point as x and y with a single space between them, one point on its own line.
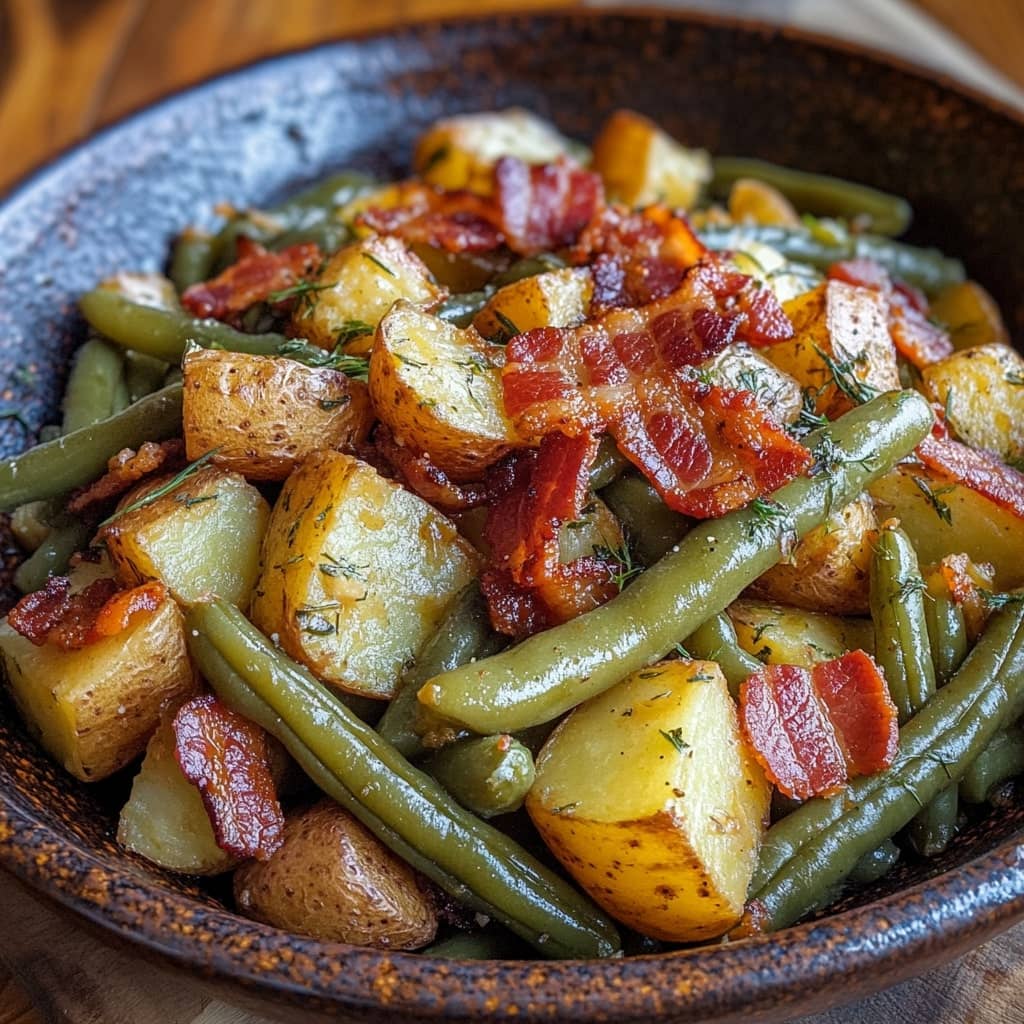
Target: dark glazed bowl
116 201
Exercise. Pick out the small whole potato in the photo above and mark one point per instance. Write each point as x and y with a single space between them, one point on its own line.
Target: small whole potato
332 880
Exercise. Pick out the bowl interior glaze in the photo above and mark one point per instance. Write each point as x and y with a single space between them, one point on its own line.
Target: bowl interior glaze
116 201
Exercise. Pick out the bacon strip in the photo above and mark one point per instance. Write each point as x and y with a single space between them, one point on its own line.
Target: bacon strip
813 730
253 277
226 758
125 469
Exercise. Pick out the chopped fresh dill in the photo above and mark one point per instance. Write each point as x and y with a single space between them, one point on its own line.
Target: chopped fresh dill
409 361
336 567
304 290
934 496
188 500
845 380
383 266
675 737
768 517
352 329
619 563
996 601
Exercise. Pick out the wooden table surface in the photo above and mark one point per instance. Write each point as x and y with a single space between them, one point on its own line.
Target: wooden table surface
67 66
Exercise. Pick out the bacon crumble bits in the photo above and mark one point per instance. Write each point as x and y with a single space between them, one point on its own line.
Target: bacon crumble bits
125 469
226 757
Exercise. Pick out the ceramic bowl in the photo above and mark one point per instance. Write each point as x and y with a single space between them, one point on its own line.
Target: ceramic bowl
117 200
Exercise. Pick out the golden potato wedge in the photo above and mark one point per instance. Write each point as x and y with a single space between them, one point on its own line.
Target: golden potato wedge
356 287
847 325
264 415
943 518
652 802
164 819
828 570
460 152
970 315
439 390
756 202
332 880
597 528
356 573
772 269
94 709
982 391
743 368
557 298
202 538
782 635
640 164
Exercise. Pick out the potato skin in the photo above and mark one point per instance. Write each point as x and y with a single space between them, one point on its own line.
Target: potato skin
332 880
265 415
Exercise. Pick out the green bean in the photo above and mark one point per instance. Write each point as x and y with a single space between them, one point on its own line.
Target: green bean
653 528
143 374
66 536
92 391
901 633
464 635
875 864
716 641
529 266
405 808
490 943
191 259
165 333
1002 759
821 194
488 775
935 826
328 235
553 671
947 630
928 269
812 850
32 522
609 464
76 459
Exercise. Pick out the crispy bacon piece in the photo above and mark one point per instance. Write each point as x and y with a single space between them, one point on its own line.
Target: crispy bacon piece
252 278
916 338
813 730
125 469
226 758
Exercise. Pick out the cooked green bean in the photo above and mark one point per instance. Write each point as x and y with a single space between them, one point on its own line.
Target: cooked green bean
609 464
143 374
935 826
653 528
1002 759
875 864
809 852
490 943
191 259
901 633
92 393
405 808
716 641
553 671
66 536
79 458
489 775
821 194
928 269
32 522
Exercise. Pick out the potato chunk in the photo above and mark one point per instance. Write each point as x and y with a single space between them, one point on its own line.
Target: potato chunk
970 315
558 298
828 570
356 287
333 880
651 800
265 415
743 368
640 164
356 573
202 538
982 390
439 390
847 325
460 152
164 819
94 709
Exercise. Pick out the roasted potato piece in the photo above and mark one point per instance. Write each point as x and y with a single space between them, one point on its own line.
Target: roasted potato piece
640 164
828 570
201 538
356 287
982 391
756 202
653 803
941 517
771 268
558 298
94 709
781 635
356 573
332 880
460 152
164 819
971 316
439 390
595 529
741 367
265 415
846 325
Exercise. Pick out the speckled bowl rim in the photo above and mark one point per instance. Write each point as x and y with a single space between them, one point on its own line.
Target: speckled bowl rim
804 968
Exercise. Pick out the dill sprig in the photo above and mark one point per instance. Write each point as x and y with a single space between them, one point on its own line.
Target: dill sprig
675 737
845 379
619 563
934 496
768 517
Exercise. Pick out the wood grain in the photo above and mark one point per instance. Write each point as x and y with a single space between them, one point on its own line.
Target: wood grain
67 66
